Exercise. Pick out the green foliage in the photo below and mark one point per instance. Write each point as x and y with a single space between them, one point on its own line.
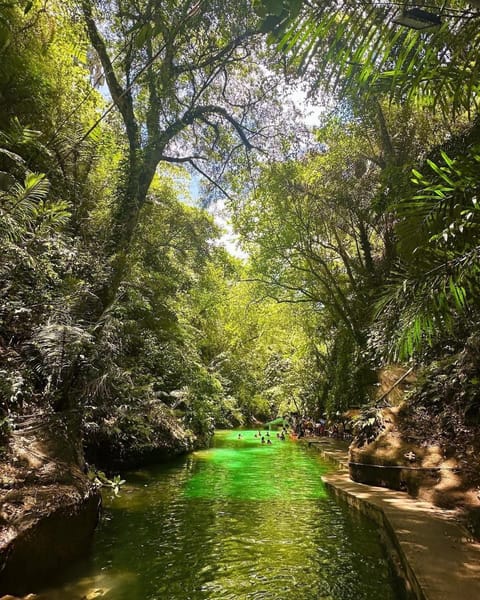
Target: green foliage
101 480
436 280
4 431
117 297
368 426
351 49
348 376
276 14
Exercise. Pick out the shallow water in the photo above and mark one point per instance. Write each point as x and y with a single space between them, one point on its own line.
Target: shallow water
241 521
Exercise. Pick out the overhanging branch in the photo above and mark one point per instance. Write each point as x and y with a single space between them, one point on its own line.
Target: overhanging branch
212 181
182 159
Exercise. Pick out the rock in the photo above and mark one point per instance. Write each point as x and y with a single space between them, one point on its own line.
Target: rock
48 519
159 439
48 540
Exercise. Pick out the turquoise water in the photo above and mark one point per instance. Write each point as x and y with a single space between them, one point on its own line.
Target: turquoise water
240 521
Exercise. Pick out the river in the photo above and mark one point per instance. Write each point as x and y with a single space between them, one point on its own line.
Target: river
242 520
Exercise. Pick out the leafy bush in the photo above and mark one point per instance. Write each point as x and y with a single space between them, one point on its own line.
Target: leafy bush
348 374
368 426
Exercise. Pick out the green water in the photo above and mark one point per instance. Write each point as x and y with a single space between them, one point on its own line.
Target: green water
238 521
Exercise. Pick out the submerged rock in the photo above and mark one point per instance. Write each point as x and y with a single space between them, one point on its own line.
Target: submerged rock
95 594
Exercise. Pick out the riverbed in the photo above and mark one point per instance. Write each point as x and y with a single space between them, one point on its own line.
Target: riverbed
243 520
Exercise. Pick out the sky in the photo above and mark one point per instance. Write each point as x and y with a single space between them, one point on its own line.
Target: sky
312 114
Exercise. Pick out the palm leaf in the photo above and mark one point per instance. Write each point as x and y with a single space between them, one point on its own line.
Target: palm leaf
349 45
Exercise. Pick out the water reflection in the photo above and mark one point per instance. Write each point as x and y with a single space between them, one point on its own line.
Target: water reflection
240 521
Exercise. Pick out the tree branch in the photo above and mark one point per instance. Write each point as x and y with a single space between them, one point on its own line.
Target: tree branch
218 56
182 159
122 98
212 181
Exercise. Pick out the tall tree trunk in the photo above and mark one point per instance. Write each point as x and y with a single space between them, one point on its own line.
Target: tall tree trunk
132 196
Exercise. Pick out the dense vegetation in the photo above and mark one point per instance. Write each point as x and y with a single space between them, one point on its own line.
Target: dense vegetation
360 234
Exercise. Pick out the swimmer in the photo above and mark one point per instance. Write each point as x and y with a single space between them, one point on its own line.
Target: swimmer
239 436
263 440
269 441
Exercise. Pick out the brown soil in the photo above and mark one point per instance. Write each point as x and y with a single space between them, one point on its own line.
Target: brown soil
433 434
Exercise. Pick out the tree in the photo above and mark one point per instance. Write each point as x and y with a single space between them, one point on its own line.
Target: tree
45 261
321 231
174 80
355 50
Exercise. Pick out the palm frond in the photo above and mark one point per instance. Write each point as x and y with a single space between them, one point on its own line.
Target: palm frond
347 47
438 277
18 206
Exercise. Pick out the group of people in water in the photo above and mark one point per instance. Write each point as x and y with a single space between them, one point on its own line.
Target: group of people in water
338 426
265 438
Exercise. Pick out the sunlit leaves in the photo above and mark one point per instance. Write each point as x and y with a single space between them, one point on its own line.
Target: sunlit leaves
350 47
439 282
21 206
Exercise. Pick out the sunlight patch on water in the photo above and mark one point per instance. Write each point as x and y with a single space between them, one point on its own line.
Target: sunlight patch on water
247 469
240 521
101 585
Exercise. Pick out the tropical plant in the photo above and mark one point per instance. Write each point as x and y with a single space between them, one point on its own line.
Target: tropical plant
101 480
436 279
368 425
351 47
174 78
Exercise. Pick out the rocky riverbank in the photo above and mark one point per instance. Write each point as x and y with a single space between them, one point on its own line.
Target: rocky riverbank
427 441
49 504
49 507
127 438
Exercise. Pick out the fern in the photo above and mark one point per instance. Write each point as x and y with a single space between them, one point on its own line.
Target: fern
58 345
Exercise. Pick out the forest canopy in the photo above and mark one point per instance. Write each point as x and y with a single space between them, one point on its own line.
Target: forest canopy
359 234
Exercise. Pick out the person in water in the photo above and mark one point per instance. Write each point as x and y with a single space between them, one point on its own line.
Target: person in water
239 436
263 440
269 441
